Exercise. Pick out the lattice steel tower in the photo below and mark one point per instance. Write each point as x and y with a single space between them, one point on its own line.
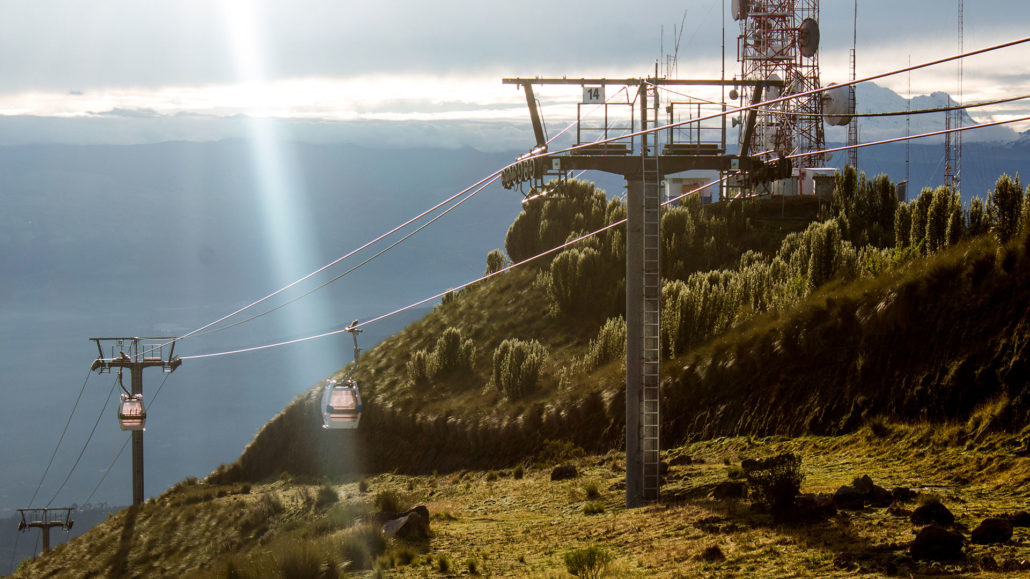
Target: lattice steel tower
779 40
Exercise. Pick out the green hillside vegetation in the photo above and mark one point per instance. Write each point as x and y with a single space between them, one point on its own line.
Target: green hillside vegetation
852 314
887 339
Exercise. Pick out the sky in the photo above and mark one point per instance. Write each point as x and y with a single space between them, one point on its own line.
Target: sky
393 73
130 71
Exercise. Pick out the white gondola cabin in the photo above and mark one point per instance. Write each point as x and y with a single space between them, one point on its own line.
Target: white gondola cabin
341 405
131 414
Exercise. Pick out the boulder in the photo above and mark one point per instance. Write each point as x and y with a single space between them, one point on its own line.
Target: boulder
730 489
713 553
412 525
935 543
993 530
874 494
864 484
813 508
1020 519
849 498
932 512
903 494
564 472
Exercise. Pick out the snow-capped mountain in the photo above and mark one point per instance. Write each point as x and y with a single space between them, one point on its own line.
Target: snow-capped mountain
872 98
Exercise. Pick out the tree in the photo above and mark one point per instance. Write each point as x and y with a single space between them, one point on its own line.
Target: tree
1004 205
979 220
902 225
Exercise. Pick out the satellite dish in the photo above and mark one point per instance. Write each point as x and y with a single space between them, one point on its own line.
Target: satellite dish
808 37
740 9
837 105
734 95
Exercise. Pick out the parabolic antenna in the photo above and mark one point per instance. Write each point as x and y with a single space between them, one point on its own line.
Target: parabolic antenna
837 105
740 9
808 37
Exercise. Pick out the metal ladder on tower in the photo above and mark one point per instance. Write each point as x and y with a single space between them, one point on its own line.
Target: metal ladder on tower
649 420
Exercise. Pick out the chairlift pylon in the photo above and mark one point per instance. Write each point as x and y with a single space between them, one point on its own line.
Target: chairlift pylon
341 399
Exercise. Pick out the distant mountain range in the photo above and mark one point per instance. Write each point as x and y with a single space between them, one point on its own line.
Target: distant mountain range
872 98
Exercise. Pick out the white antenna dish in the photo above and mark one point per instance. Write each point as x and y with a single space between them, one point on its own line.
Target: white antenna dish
808 37
838 105
740 9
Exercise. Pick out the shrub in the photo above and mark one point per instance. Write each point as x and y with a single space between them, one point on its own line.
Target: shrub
557 451
776 480
389 501
418 369
518 472
443 563
362 545
609 345
495 261
590 562
517 366
592 490
326 496
363 485
593 508
1004 205
452 353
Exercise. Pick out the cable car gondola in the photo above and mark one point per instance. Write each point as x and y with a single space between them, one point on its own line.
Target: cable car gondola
131 414
341 400
341 404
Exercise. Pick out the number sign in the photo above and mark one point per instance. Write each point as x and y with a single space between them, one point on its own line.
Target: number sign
593 94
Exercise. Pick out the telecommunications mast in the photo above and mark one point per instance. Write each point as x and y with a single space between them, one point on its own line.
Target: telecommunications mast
779 41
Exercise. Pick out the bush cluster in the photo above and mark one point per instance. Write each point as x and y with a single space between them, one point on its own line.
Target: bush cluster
517 365
609 345
451 353
584 278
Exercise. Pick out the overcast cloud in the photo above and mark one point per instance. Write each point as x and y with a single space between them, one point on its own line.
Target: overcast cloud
345 61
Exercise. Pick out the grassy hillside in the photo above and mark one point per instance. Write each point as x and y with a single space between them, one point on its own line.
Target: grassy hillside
517 522
847 321
886 339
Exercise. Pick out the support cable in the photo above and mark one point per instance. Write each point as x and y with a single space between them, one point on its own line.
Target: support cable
382 251
913 112
554 249
791 96
659 128
482 184
124 444
85 444
63 432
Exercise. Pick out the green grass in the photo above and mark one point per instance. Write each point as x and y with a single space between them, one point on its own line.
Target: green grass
525 527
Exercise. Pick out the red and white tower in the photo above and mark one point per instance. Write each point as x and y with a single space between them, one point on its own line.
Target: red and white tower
779 40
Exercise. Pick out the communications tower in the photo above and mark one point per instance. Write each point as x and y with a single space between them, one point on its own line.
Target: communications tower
779 41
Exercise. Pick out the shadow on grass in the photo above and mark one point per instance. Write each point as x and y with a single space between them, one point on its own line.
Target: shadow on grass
119 565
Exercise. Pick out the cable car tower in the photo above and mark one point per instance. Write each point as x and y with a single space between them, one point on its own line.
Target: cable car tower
45 519
779 40
616 145
134 354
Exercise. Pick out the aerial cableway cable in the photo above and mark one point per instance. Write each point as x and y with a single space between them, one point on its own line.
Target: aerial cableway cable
554 249
124 444
762 104
478 186
352 269
665 127
103 408
61 438
905 113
